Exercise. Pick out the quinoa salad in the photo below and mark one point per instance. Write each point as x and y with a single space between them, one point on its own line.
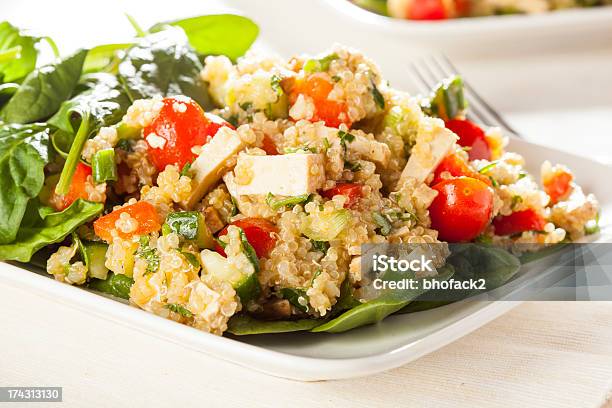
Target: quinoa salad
450 9
233 191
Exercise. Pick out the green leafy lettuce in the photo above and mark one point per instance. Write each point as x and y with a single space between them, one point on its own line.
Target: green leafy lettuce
163 64
43 227
43 90
24 152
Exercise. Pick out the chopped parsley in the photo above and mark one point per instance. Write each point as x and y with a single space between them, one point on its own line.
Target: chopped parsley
301 149
249 251
378 97
186 168
179 309
320 246
124 144
345 138
150 255
326 143
352 166
516 200
191 258
275 83
522 175
246 105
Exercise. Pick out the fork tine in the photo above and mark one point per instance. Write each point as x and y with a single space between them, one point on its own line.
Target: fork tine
475 96
418 79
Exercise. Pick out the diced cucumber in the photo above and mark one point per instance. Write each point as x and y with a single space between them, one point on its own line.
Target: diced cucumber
96 256
246 285
192 226
447 101
116 285
326 226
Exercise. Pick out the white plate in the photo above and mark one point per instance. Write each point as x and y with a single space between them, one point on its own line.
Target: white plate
368 350
497 34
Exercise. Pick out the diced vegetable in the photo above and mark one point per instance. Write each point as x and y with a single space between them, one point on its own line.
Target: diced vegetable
472 137
318 87
96 257
74 156
383 223
191 225
246 285
180 125
275 204
462 209
142 212
326 226
447 101
519 221
318 65
259 232
558 185
352 192
76 189
103 166
456 166
116 285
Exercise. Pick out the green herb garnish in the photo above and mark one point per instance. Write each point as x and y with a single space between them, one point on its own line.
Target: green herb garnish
176 308
289 201
383 223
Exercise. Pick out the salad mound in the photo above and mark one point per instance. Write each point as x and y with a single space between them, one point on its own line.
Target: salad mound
237 194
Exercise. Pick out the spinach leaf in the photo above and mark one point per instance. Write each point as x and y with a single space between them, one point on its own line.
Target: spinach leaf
242 325
163 64
101 95
12 38
105 58
375 310
116 285
42 92
472 262
218 34
24 152
48 227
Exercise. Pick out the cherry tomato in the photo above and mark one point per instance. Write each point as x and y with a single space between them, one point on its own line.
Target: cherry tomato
462 209
181 124
268 146
427 10
317 86
558 186
519 221
472 136
352 191
143 212
259 233
77 188
457 167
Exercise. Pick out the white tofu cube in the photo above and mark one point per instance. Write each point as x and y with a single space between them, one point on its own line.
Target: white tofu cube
284 175
427 153
215 159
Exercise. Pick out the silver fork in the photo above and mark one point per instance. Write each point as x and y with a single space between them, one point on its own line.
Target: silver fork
428 72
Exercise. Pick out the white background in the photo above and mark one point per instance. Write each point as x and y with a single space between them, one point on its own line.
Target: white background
538 355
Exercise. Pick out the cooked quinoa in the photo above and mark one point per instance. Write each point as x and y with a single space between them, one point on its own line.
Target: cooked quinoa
359 158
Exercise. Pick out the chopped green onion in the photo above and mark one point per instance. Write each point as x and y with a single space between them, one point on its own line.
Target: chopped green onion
289 201
488 167
592 226
326 226
74 156
383 223
176 308
103 166
319 65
